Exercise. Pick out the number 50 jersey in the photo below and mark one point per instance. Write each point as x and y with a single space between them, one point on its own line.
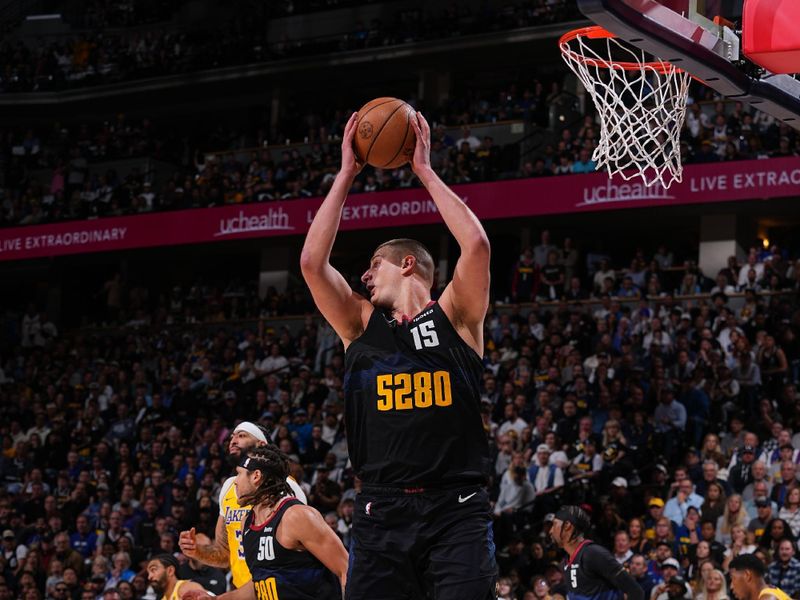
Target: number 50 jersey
280 573
412 403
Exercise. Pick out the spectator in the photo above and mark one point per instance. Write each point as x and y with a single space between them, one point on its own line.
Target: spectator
525 279
790 511
584 164
788 482
552 278
83 540
468 138
784 573
670 421
543 249
638 570
685 497
70 558
546 478
733 516
713 587
754 265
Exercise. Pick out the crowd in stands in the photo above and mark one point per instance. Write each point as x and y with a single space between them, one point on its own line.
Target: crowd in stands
75 189
142 304
676 425
104 56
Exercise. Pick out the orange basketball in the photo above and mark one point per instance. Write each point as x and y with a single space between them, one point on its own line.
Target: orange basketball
384 136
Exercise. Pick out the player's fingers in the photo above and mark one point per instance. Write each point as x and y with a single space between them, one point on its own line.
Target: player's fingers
426 129
416 128
351 125
350 131
192 533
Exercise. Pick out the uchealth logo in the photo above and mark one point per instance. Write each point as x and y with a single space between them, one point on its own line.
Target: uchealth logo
611 192
275 219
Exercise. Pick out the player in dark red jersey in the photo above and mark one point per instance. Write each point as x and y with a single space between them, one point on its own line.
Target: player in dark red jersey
591 572
421 526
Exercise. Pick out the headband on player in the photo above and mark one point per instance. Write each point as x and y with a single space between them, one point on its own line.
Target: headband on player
251 463
576 516
252 429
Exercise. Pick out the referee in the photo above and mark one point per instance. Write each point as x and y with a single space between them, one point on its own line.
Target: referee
591 571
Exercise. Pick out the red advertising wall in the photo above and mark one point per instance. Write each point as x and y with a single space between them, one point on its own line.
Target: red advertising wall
715 182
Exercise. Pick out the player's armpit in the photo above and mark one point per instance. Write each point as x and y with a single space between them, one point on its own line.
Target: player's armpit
305 527
346 311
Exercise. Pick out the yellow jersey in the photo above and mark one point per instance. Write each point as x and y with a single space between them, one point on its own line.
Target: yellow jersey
234 515
773 591
174 595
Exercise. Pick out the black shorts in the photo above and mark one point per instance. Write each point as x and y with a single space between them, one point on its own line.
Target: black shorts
422 544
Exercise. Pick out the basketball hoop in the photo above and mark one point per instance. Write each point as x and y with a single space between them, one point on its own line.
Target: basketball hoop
641 105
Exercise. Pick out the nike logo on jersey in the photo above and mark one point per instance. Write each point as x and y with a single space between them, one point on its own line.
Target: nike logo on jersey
462 499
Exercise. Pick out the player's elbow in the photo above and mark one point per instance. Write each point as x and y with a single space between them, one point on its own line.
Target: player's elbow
477 245
310 262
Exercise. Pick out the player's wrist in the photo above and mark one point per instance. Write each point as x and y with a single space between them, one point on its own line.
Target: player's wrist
348 174
426 175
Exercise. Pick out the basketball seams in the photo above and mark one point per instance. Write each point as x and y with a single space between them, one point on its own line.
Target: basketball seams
383 125
361 117
403 144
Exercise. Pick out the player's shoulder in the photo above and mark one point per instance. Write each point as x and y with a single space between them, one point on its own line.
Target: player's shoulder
227 492
297 513
594 555
298 491
595 549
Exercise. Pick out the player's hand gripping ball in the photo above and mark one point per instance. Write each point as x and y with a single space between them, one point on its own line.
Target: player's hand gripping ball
384 135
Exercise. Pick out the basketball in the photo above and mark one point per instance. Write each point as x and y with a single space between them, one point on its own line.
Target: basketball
384 136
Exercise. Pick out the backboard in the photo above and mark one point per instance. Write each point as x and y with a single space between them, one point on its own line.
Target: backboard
689 34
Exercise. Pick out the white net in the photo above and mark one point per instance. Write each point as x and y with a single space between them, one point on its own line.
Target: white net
641 106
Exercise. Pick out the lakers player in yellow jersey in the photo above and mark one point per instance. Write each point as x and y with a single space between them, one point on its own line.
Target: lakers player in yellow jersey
747 580
226 549
162 575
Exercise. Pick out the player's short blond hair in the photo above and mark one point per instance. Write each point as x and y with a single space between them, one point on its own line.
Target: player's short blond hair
400 247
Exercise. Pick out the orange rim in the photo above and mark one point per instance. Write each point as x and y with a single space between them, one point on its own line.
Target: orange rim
596 32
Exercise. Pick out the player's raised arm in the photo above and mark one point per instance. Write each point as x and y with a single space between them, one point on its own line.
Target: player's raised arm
466 298
344 309
310 530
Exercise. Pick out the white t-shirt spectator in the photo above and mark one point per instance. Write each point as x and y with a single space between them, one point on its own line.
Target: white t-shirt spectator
601 276
542 480
514 495
518 425
759 269
474 142
273 364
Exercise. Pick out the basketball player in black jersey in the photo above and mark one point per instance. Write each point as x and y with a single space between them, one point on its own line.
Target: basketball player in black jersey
292 554
591 572
421 527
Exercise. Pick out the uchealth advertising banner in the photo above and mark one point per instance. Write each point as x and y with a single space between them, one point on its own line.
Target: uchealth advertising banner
714 182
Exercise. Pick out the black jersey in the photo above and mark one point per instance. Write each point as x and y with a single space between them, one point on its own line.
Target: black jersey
412 403
590 572
283 574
